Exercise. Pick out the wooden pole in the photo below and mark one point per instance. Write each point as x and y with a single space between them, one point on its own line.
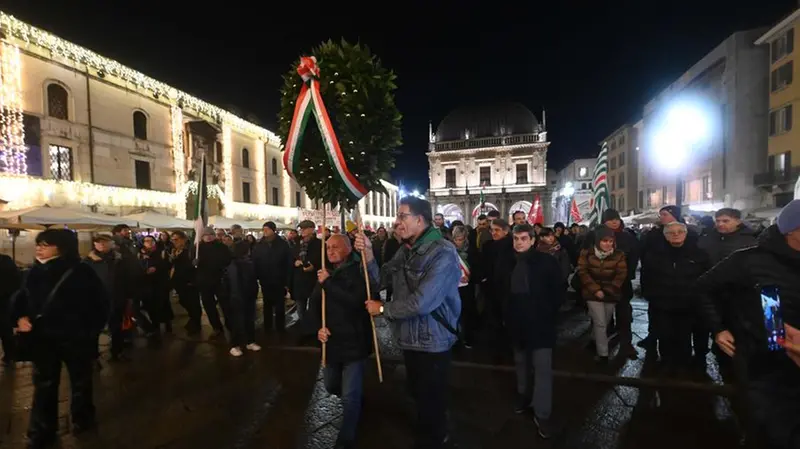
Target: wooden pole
369 296
324 322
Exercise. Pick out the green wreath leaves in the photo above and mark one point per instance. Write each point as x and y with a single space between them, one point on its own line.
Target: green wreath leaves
358 92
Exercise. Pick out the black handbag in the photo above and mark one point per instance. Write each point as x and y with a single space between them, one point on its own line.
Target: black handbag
26 341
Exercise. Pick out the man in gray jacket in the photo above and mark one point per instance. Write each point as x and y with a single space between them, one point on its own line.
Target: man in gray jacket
424 311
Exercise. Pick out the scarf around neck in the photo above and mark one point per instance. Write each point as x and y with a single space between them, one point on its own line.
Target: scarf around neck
602 254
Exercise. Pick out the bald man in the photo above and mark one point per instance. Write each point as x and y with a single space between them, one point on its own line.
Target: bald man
348 333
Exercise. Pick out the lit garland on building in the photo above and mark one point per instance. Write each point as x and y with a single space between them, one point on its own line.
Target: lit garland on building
178 155
227 164
213 191
12 129
30 35
24 191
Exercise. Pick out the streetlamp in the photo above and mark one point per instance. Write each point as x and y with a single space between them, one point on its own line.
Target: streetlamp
567 191
683 128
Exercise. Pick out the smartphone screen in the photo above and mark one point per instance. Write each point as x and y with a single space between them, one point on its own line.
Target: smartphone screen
773 319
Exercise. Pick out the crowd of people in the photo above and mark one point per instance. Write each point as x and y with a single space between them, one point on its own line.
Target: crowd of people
438 285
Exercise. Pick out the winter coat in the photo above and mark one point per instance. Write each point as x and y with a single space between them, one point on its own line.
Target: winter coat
346 317
212 260
111 268
771 263
10 275
668 282
607 275
272 260
561 255
719 246
78 311
625 242
531 318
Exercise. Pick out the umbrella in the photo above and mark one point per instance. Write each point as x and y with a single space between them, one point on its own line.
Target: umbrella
42 217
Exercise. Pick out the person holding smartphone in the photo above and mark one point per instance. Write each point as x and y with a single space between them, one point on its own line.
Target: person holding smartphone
768 374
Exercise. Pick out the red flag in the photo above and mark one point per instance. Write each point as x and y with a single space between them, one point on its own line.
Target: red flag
574 212
535 215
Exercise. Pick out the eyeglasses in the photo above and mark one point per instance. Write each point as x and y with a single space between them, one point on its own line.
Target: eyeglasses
675 232
402 216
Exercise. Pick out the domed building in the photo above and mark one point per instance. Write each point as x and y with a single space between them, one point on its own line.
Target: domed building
497 149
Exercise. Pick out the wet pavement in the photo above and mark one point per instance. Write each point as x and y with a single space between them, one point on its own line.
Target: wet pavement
190 393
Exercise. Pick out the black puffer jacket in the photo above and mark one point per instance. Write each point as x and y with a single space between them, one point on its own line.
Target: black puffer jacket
771 263
670 276
347 319
719 246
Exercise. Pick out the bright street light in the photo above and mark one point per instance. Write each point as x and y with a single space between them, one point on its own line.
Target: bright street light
568 190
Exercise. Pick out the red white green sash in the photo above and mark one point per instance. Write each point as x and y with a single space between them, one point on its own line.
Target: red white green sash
465 272
310 102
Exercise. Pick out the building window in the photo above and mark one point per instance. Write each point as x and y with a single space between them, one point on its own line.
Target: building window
296 199
613 163
621 203
486 176
245 158
61 163
583 186
522 173
450 178
218 152
621 158
663 195
142 169
582 172
613 201
780 120
613 145
612 183
641 199
782 76
622 180
275 195
139 125
783 45
245 192
274 166
622 139
57 101
707 187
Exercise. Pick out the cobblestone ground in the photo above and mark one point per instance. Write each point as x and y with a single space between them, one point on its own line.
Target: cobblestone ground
190 393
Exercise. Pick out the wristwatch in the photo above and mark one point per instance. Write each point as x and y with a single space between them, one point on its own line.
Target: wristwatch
380 310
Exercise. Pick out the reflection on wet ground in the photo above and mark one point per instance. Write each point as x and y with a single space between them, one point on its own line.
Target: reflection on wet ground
191 394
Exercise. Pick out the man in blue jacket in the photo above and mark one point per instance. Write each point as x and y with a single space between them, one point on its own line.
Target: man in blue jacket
424 311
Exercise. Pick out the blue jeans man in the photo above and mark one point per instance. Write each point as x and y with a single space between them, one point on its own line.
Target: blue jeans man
346 380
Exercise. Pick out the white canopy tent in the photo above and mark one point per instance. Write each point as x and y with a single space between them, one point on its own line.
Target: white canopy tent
42 217
226 223
155 220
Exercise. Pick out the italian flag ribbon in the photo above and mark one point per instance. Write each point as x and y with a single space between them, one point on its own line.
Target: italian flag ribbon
310 102
465 271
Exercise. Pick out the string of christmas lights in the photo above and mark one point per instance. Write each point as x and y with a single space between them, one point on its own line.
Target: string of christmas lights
12 130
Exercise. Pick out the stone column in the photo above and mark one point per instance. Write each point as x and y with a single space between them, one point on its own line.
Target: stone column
467 211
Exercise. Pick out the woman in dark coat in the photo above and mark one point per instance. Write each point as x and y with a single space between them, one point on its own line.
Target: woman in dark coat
155 295
59 313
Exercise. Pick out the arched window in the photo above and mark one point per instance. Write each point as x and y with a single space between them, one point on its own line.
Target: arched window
245 158
274 166
57 101
139 125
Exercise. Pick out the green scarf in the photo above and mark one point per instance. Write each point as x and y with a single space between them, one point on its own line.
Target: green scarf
430 235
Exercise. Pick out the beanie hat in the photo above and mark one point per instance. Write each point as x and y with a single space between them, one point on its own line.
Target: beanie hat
208 230
675 211
603 232
270 225
789 217
610 214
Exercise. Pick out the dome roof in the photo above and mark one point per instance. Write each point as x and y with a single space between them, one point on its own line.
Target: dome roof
492 120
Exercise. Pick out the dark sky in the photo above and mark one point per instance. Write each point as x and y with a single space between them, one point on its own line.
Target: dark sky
591 64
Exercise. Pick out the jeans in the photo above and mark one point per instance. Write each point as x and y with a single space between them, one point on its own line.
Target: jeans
242 320
79 359
209 295
428 376
541 360
274 296
601 313
346 380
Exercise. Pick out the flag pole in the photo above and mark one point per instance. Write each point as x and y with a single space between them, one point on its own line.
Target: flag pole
324 322
377 348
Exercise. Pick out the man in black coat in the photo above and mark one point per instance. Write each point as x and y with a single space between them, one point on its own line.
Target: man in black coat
273 260
770 381
213 258
307 261
10 275
348 332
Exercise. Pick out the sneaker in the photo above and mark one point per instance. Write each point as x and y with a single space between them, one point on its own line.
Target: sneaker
543 427
236 351
253 347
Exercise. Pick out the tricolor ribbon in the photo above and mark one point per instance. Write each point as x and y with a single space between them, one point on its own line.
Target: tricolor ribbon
465 272
310 101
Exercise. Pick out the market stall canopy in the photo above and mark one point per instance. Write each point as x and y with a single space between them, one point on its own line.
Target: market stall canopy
42 217
226 223
154 220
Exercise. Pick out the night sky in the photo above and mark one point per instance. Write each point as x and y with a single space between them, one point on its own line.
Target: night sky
591 65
